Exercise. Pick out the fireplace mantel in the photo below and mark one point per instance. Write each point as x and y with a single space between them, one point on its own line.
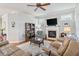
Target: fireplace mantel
52 28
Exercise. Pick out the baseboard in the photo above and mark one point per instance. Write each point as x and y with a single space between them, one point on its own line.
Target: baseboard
16 42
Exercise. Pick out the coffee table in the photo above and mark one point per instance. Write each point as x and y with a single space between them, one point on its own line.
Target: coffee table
38 41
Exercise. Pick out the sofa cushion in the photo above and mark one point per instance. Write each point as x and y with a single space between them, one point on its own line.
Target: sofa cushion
54 53
1 54
56 44
61 39
21 53
66 42
63 47
73 49
3 43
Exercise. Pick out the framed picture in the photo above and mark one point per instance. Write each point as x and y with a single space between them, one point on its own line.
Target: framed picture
13 24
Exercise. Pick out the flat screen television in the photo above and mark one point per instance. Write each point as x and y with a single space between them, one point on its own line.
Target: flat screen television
52 22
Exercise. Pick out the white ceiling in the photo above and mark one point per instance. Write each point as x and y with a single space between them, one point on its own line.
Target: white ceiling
22 7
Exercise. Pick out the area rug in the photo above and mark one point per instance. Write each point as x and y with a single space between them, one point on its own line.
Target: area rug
34 48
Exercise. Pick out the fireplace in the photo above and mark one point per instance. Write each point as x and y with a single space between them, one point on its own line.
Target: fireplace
52 34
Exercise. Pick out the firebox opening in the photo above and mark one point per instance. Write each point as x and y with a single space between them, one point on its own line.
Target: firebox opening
52 34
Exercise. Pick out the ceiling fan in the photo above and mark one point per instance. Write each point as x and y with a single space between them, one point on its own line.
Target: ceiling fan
40 5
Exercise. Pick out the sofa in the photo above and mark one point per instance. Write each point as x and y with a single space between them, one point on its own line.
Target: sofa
67 48
7 49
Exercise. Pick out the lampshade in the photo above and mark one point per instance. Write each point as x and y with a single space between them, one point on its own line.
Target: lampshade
67 29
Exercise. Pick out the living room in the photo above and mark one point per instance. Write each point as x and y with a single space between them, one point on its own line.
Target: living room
28 27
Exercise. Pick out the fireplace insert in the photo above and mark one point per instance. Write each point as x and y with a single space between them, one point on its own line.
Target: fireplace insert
52 34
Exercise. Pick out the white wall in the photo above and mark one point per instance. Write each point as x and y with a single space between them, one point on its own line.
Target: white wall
58 13
60 26
17 33
21 20
76 12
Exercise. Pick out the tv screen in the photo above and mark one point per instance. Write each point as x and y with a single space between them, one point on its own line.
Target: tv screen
52 22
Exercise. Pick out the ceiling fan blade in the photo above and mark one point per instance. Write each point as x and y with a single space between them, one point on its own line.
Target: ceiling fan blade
31 5
42 8
45 4
35 9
